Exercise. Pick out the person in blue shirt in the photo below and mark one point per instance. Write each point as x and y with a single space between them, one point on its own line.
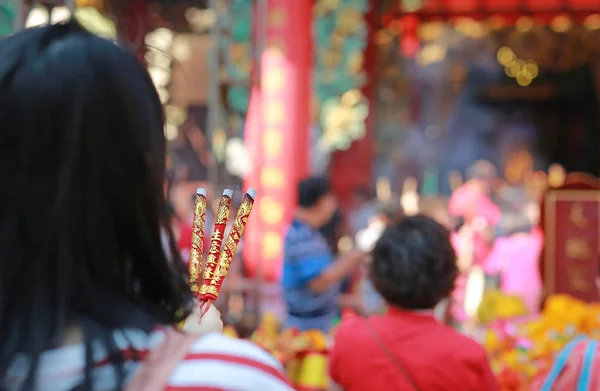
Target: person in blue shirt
311 277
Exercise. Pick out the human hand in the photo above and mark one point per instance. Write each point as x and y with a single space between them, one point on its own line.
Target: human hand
198 324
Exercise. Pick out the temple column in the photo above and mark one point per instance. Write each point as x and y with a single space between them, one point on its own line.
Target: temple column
277 131
353 168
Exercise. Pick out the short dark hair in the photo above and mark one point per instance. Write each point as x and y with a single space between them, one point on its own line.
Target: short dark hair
414 263
311 190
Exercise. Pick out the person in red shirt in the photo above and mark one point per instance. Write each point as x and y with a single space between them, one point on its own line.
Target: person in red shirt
407 348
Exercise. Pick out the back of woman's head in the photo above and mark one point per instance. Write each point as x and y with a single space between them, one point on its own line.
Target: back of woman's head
414 264
82 157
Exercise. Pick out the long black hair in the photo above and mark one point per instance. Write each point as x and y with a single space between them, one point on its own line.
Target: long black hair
82 168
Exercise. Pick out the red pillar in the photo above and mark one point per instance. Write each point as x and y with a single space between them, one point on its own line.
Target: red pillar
277 132
353 168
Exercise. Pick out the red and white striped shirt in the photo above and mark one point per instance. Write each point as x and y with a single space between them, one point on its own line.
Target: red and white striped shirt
213 363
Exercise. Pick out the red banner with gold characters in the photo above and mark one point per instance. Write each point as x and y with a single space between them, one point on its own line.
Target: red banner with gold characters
572 242
277 132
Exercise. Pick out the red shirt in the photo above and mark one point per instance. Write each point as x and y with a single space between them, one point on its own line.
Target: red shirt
435 356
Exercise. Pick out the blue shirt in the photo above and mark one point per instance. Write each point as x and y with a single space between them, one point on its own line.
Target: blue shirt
306 256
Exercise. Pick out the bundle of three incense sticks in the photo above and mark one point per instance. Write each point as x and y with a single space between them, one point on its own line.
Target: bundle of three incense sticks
206 285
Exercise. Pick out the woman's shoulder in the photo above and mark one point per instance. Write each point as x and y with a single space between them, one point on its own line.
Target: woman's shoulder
212 360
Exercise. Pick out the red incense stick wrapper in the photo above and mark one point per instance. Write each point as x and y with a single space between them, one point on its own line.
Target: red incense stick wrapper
195 265
214 250
231 244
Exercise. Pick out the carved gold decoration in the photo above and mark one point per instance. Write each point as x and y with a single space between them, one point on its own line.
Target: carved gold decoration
231 244
209 290
194 267
578 249
578 281
223 211
577 218
215 244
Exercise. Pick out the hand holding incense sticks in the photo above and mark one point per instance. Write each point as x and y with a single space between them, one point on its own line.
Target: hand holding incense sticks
215 243
195 264
217 261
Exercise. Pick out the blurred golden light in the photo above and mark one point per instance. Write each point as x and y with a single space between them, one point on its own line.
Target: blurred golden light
345 244
175 115
272 245
331 4
430 31
561 24
524 79
351 98
94 21
271 210
513 69
161 38
219 140
272 142
556 175
160 77
272 177
592 22
60 14
506 56
431 54
524 24
38 16
382 37
355 62
474 291
349 21
409 200
274 80
532 68
331 58
201 19
181 48
171 132
470 27
273 113
383 189
163 94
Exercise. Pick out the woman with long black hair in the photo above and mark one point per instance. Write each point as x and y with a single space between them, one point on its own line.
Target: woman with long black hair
86 288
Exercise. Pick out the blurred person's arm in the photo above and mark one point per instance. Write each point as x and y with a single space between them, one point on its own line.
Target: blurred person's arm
343 266
352 301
